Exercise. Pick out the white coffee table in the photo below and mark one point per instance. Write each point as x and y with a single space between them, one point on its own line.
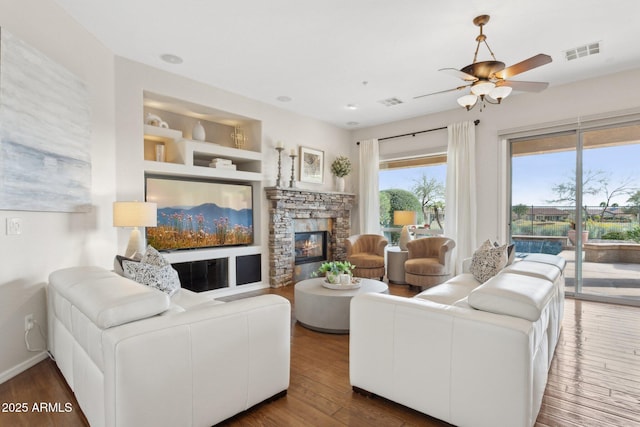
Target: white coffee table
327 310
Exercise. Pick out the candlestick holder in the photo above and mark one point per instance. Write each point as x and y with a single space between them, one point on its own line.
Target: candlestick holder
293 170
278 180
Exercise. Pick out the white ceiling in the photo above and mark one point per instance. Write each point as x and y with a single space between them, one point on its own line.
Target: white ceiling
319 53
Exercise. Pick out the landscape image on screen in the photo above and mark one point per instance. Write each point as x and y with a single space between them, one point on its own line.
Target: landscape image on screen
199 214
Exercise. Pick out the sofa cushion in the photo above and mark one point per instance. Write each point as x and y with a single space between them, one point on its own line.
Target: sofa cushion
534 269
185 299
558 261
106 298
513 295
488 260
451 291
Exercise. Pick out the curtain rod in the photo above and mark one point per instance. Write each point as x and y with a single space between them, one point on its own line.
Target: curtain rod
475 122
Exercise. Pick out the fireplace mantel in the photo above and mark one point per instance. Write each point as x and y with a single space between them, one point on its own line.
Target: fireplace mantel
288 204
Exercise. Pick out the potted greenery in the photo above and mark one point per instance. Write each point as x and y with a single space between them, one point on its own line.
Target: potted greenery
341 167
332 270
572 233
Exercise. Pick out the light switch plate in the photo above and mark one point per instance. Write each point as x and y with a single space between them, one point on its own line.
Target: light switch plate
14 226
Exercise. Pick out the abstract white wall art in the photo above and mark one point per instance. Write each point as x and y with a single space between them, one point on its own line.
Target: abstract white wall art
45 157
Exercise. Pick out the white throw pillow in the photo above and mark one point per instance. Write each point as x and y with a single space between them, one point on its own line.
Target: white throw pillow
487 261
153 270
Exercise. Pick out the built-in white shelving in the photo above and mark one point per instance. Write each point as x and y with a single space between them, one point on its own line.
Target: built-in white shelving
188 158
185 157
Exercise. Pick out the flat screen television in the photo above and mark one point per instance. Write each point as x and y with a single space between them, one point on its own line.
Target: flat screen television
196 213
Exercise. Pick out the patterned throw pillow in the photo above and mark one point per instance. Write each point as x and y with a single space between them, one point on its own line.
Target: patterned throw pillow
153 270
119 259
153 257
487 261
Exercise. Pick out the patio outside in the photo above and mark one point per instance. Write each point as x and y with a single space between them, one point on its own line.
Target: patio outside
611 245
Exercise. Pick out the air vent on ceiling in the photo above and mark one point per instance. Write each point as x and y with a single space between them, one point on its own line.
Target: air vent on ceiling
390 102
582 51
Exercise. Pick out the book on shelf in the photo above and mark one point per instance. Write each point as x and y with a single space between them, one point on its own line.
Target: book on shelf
222 166
219 161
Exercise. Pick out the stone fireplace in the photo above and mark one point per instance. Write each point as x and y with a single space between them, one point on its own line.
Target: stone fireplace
294 211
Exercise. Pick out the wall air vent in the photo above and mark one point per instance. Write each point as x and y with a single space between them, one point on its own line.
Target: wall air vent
390 102
582 51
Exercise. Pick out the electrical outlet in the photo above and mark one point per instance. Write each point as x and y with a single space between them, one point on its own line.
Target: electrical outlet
14 226
28 322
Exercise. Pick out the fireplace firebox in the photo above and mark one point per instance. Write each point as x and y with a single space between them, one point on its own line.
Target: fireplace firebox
310 246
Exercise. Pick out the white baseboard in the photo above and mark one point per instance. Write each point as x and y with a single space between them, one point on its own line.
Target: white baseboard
18 369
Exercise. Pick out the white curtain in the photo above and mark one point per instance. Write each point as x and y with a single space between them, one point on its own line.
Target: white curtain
460 203
369 203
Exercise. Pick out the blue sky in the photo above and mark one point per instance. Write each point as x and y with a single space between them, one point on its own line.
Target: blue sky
404 178
535 176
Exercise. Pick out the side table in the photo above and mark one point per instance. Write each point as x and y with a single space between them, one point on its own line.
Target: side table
395 264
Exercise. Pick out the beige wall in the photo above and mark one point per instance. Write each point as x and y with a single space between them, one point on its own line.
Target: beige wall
56 240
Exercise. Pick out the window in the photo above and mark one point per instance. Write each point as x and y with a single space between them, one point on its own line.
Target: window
414 184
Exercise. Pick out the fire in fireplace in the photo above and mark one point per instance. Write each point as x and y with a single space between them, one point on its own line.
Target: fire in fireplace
310 246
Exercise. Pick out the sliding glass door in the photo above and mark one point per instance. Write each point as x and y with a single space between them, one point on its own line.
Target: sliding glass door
543 197
610 194
576 193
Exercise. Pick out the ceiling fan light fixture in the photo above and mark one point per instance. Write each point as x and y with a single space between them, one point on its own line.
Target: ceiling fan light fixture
482 87
500 92
490 81
468 101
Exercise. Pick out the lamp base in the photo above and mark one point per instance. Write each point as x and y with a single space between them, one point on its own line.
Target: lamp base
405 238
135 244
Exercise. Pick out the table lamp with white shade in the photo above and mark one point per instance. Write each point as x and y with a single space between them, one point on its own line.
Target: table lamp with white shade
404 218
134 214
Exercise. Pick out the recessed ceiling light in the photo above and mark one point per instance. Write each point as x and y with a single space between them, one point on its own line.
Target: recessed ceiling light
390 102
284 98
352 106
352 123
171 59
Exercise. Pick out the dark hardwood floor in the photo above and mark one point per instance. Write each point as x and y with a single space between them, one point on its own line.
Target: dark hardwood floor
594 380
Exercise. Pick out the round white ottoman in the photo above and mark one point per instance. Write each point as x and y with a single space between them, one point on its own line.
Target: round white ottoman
327 310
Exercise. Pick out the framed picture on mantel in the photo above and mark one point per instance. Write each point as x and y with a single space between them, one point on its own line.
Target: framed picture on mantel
311 165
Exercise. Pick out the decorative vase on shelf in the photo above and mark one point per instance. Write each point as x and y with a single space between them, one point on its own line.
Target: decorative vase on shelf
340 183
198 132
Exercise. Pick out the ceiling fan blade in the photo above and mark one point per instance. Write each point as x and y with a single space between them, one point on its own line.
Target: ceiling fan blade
525 86
526 65
459 74
442 91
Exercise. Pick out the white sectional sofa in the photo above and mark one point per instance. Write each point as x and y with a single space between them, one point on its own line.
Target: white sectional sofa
469 354
135 357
